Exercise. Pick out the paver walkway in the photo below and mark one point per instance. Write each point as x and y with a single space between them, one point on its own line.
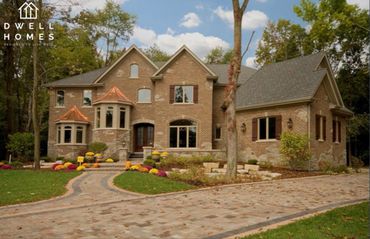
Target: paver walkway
212 213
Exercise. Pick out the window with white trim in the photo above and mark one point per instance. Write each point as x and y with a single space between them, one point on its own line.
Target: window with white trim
71 134
267 128
144 96
87 97
134 71
183 94
183 134
60 98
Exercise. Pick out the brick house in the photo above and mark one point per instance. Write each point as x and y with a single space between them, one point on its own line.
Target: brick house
136 104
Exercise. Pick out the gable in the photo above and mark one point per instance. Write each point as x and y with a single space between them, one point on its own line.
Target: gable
132 52
194 59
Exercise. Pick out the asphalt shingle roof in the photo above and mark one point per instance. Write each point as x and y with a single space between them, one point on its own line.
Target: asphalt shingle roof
85 79
282 82
221 70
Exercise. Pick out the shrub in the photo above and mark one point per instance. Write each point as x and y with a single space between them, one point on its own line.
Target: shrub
47 159
265 164
149 157
356 163
97 147
252 161
82 152
150 162
294 148
21 144
184 162
16 164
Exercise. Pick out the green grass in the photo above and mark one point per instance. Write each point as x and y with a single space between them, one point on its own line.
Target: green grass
347 222
148 184
20 186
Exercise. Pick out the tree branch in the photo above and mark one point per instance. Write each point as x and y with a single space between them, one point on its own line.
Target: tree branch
244 6
249 43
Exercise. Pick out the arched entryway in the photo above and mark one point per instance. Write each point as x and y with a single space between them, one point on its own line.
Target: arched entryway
143 136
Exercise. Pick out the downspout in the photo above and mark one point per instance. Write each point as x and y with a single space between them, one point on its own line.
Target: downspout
309 132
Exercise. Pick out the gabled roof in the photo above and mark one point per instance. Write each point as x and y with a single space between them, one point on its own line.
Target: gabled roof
132 48
73 115
114 95
183 48
291 81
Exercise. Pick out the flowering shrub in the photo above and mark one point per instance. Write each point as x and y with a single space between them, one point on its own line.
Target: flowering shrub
127 165
72 167
55 165
80 168
161 173
86 165
135 167
153 171
143 169
59 167
89 154
6 166
80 158
148 167
109 160
66 165
96 165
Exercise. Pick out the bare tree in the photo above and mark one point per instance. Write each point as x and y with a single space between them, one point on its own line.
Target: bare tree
35 93
229 103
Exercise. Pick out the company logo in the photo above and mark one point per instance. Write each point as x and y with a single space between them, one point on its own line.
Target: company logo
28 11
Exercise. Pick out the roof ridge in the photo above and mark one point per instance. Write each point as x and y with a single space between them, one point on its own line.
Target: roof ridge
73 114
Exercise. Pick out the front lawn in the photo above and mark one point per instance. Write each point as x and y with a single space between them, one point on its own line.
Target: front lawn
149 184
345 222
20 186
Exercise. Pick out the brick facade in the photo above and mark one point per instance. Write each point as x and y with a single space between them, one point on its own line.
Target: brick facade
186 70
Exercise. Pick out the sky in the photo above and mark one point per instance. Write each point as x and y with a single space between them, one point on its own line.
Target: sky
201 24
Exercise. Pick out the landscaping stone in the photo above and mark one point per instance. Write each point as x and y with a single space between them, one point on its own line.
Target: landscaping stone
219 170
243 171
251 167
239 166
209 166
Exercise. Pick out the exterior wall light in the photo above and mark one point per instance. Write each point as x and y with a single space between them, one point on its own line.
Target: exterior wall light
243 127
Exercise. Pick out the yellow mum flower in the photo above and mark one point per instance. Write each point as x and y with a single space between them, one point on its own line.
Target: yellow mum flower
153 171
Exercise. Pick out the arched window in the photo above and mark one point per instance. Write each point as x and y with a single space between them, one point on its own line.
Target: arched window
183 134
144 96
134 71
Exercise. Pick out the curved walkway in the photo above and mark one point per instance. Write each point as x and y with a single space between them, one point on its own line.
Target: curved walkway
208 213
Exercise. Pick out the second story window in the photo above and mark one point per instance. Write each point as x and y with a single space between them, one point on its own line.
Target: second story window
60 98
87 97
184 94
134 71
144 96
320 128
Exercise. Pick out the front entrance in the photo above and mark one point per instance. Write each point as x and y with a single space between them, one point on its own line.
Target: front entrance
143 136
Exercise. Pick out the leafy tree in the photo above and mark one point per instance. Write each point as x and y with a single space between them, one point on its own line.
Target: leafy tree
155 54
282 41
21 144
110 24
295 149
219 56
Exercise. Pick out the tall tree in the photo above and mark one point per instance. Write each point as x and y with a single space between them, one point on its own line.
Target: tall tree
110 24
281 41
229 102
219 56
155 54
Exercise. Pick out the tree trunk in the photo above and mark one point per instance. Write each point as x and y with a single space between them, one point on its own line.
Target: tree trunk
234 70
35 94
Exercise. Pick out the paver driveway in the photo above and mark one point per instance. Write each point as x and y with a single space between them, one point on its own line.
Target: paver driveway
212 213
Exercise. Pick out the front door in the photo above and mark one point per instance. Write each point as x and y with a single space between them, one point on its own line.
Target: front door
143 136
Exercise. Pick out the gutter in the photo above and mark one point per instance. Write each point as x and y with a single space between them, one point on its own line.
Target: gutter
273 104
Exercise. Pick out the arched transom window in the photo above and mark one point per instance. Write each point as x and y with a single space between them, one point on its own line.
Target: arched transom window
183 134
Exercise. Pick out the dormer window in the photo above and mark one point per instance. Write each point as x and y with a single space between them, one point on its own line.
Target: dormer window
134 71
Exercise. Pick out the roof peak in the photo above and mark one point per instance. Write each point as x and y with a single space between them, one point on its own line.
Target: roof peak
114 95
73 114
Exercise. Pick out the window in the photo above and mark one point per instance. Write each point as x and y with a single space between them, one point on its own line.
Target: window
320 127
71 134
109 117
144 96
337 131
183 134
183 94
59 135
122 118
218 132
134 71
87 97
60 98
67 134
98 117
267 128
